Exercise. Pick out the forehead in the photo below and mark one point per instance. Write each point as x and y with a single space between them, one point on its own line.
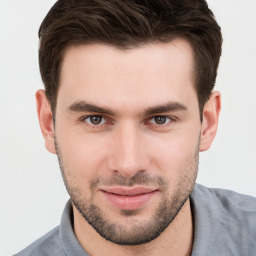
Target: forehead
106 73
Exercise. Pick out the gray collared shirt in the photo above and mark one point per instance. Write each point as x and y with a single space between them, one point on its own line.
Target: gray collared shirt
224 225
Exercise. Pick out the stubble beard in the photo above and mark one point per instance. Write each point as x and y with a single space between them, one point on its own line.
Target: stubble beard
136 233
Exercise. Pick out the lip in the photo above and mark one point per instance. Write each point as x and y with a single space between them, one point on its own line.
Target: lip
128 198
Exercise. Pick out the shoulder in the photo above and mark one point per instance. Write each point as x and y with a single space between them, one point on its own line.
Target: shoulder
232 216
226 199
238 207
47 245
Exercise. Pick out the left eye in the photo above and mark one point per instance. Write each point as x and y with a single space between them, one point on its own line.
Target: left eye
160 120
95 120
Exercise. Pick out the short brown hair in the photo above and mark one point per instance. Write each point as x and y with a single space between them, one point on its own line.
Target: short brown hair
127 24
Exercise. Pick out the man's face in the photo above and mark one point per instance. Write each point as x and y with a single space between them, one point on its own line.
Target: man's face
127 136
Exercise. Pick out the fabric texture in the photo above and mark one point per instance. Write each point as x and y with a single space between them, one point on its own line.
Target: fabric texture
224 225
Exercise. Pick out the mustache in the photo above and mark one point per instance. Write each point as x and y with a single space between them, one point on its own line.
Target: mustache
140 178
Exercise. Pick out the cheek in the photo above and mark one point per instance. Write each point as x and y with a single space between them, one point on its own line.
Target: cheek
175 157
82 156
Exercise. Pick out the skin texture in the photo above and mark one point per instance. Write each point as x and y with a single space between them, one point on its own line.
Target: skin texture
108 134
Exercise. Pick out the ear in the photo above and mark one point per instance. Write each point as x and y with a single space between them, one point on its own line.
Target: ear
45 120
210 120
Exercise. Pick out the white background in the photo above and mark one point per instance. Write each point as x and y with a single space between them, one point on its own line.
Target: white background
32 195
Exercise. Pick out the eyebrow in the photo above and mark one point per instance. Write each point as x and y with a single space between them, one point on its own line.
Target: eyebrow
171 106
83 106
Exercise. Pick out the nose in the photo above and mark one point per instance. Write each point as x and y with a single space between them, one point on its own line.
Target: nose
129 151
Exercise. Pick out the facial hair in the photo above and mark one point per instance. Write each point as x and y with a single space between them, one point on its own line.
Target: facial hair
139 232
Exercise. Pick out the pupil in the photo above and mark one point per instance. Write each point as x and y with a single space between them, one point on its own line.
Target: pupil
95 119
160 119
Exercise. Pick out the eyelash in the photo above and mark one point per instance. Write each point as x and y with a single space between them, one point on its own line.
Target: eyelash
107 121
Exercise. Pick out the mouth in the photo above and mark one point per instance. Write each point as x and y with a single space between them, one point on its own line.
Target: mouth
129 198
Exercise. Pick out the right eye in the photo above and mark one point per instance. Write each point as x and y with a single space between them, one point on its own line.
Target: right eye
95 120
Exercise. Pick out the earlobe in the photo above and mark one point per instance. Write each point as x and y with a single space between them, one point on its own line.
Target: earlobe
45 120
210 120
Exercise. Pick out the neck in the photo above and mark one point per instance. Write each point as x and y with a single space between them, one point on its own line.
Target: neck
177 238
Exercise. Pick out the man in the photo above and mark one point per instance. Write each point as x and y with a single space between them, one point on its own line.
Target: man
127 107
